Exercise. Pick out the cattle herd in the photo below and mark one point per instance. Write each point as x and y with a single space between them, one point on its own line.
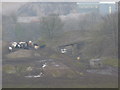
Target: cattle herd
23 45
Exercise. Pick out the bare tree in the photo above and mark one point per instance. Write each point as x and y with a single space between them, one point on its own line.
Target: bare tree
52 26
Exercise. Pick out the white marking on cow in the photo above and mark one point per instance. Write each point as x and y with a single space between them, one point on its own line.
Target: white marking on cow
14 44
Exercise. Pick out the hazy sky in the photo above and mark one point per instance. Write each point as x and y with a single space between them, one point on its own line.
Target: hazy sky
9 7
55 0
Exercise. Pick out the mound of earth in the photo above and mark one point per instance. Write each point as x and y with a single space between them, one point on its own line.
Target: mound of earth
30 54
57 70
20 54
53 69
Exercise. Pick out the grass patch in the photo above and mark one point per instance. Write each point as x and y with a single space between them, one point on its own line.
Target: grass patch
70 85
56 74
12 69
9 69
111 62
54 56
79 64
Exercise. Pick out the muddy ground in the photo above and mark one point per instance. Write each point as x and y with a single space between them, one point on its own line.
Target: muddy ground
85 79
61 71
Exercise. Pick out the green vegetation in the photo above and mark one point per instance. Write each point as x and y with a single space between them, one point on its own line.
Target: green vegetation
55 56
12 69
79 64
111 61
69 85
99 34
19 32
102 40
56 74
71 74
9 69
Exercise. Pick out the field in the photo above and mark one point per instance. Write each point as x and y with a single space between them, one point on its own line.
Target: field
59 73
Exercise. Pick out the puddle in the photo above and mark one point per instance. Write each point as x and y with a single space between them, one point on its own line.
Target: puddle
57 65
48 60
34 76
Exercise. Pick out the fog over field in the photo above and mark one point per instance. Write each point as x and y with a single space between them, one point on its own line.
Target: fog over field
59 45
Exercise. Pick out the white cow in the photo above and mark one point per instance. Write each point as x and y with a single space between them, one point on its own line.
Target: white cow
63 50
